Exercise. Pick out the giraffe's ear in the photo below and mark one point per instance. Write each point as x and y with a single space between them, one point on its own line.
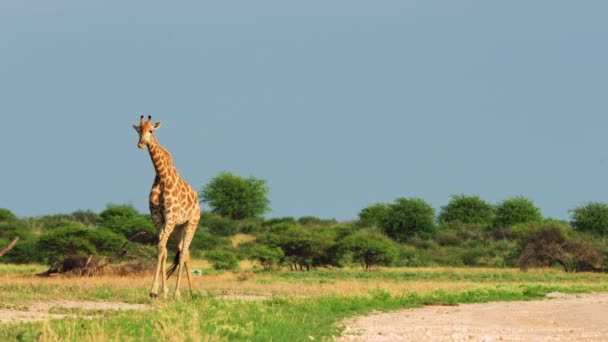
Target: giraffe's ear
136 128
156 126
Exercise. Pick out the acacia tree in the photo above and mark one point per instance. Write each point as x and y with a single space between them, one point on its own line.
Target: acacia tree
468 210
516 210
236 197
370 249
591 217
372 215
407 217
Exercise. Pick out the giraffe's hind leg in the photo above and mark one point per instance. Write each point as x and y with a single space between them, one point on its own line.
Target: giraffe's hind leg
184 256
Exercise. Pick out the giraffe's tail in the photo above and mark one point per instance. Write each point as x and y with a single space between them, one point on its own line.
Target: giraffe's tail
175 265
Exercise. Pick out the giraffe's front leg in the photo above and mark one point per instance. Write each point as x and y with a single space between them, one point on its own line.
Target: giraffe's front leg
160 265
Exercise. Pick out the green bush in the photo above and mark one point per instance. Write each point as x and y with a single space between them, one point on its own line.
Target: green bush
203 241
219 225
223 260
25 251
246 250
410 256
306 247
77 239
86 217
11 227
408 217
370 248
448 238
373 215
126 221
280 221
591 217
47 222
467 210
251 225
448 257
268 257
7 215
310 221
514 211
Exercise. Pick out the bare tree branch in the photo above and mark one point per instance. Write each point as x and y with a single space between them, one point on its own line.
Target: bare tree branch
10 246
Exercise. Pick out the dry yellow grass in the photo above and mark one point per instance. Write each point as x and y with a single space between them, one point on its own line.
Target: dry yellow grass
15 287
241 238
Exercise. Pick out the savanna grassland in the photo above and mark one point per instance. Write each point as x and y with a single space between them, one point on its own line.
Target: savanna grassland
259 305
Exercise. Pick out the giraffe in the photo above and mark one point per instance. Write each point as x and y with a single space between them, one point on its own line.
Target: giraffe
173 206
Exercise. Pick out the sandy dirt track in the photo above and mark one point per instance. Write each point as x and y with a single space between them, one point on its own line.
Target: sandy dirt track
36 311
559 318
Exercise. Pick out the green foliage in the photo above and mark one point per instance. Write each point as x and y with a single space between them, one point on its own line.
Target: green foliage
289 220
204 241
280 223
413 257
408 217
235 197
7 215
305 247
516 210
370 248
315 221
51 221
246 250
25 251
219 225
223 260
253 225
268 257
373 215
468 210
11 227
86 217
126 221
77 239
591 217
291 318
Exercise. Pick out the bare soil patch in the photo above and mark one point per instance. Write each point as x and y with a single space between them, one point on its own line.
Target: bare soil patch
36 311
559 318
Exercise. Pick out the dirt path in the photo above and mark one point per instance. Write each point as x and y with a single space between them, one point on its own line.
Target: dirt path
561 318
35 311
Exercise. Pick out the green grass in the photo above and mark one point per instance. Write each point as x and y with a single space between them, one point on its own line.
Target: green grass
12 269
287 316
276 319
441 274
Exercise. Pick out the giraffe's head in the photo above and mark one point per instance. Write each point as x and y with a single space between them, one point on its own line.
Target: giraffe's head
145 130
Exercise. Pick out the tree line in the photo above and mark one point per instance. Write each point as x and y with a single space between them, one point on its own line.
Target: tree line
468 231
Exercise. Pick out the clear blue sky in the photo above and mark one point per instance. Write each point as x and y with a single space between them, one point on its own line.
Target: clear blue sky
337 104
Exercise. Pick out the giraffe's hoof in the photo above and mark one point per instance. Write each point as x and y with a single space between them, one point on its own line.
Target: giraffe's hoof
153 295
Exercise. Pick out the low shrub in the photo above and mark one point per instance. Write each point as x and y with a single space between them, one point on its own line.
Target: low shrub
77 239
203 241
315 221
548 243
219 225
269 257
285 221
223 260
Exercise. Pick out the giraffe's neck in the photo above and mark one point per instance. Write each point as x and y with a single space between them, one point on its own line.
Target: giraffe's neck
161 159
